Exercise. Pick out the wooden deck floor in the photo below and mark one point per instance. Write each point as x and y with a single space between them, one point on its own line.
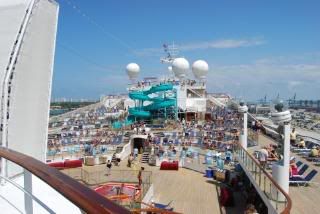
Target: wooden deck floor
189 191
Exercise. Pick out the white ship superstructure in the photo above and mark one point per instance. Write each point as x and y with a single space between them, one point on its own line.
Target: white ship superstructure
28 37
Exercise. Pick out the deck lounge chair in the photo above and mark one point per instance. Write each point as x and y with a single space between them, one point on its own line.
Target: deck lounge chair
299 180
299 163
303 169
313 159
164 206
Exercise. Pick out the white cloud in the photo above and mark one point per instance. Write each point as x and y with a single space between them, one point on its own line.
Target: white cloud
294 84
284 75
222 44
214 44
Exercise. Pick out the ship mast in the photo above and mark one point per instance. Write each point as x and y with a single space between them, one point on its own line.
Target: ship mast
171 52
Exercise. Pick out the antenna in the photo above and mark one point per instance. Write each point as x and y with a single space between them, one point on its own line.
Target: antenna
171 52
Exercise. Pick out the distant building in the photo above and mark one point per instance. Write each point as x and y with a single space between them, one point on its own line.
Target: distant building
311 105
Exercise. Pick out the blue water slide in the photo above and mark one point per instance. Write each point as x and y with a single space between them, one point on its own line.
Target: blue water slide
117 125
138 95
163 104
157 102
158 88
139 112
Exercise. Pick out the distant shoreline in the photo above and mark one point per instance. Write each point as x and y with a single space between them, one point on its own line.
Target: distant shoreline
57 108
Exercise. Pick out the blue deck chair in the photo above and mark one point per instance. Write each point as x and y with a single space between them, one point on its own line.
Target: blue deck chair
303 169
86 148
71 151
51 153
312 159
120 139
164 206
199 141
174 134
220 163
228 157
303 180
103 149
299 163
157 141
193 133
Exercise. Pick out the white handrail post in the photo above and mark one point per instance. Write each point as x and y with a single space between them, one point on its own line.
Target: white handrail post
280 170
28 203
243 109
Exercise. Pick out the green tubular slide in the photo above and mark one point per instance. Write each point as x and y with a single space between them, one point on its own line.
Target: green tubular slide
139 113
158 102
138 95
158 88
157 105
119 125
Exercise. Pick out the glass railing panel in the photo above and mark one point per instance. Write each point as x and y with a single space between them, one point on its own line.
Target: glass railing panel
23 193
47 190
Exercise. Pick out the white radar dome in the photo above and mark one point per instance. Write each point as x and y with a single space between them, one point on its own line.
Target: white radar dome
200 69
133 70
170 68
180 67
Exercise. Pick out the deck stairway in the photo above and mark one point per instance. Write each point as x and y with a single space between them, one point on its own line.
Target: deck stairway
145 157
113 160
125 140
195 92
118 150
115 102
216 102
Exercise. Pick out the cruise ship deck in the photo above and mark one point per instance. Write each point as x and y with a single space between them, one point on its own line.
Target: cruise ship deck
168 145
187 190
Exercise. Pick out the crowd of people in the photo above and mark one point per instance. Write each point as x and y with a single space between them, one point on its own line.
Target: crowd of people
301 144
189 82
85 143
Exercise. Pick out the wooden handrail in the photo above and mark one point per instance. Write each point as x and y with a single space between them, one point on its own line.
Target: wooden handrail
83 197
289 202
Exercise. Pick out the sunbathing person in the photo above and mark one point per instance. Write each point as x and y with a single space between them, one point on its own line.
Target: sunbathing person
301 144
314 152
272 155
293 169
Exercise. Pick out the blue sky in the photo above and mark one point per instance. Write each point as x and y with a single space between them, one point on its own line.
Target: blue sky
254 48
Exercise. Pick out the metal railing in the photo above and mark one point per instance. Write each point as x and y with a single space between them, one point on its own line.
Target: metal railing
253 135
29 196
98 177
82 197
278 198
195 163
